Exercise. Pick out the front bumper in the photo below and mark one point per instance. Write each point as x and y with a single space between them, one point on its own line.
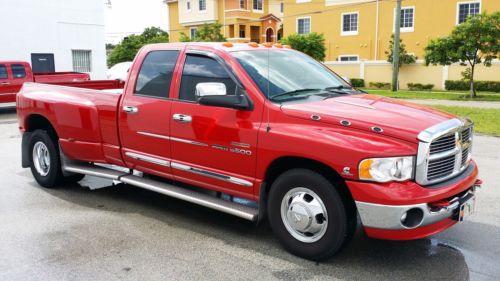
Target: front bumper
429 210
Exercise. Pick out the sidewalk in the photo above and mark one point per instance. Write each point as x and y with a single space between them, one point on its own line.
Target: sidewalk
477 104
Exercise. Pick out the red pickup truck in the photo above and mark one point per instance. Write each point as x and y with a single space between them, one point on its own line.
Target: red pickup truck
13 74
271 132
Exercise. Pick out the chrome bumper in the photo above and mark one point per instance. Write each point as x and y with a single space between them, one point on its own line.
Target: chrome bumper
390 216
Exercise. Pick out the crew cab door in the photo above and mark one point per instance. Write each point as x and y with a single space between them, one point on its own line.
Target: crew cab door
12 78
212 146
145 114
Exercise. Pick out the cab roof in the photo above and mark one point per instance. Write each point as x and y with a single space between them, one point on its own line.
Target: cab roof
220 46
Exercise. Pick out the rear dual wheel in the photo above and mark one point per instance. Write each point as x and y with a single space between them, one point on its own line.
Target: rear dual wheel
308 215
45 160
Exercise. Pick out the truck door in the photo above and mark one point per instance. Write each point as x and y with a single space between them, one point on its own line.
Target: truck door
5 90
17 74
144 118
212 146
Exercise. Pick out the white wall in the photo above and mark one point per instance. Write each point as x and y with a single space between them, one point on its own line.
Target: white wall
53 26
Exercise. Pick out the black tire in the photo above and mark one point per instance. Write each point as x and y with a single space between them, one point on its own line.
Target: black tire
55 175
338 230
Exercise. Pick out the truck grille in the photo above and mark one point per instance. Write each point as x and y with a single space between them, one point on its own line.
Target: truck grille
444 154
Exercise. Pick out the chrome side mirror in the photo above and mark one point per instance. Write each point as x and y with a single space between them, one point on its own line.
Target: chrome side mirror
210 89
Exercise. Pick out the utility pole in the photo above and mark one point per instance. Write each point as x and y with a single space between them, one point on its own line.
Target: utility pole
395 48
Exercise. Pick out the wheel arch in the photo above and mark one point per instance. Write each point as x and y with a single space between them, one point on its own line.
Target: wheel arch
285 163
34 122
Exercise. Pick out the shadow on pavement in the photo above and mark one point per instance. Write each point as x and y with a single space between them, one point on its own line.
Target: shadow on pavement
362 259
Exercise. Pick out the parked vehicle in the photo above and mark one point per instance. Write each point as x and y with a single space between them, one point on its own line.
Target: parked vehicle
119 71
264 124
13 74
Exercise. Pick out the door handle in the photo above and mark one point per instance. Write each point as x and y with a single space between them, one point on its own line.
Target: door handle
130 109
182 118
4 83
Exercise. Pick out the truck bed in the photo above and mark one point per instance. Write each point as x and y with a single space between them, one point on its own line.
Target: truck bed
60 77
84 119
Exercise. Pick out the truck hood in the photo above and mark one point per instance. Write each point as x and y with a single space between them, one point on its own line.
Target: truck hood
399 119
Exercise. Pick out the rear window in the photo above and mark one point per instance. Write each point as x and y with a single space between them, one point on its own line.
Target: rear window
3 71
155 75
18 71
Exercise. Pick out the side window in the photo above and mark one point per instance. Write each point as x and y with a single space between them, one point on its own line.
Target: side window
3 71
155 75
18 71
200 69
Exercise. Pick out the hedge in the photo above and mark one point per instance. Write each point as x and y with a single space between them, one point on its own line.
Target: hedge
380 85
358 83
420 87
461 85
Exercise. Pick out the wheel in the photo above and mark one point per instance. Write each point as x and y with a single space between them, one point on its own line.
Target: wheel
45 161
307 214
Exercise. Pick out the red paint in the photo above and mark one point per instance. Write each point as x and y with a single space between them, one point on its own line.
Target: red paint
101 132
11 85
410 234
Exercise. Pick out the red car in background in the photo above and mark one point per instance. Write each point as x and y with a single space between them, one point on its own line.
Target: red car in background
13 74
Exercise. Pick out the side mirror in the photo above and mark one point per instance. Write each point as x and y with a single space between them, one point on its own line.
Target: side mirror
210 89
239 102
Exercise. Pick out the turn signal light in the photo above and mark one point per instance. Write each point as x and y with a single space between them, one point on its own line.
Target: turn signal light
364 169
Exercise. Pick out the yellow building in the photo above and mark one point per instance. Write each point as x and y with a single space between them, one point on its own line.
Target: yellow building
242 20
361 29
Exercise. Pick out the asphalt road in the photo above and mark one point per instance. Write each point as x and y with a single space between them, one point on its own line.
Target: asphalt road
122 232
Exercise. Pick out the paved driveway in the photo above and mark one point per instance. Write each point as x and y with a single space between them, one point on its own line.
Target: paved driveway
121 232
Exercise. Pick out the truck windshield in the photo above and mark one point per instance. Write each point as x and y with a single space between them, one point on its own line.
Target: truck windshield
283 72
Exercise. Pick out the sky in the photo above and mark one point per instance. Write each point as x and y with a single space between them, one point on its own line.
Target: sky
125 17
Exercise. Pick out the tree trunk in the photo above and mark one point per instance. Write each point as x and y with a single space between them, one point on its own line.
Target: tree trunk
472 89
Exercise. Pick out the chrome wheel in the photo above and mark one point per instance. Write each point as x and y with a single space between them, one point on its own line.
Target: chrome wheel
41 158
304 214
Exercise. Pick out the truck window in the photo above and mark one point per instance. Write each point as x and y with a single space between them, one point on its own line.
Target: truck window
155 75
18 71
199 69
3 71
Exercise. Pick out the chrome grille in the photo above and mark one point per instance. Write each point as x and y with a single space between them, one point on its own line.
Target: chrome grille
444 151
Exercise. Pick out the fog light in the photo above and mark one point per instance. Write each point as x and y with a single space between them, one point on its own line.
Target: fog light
412 218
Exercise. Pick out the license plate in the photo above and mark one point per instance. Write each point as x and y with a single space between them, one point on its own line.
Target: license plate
467 209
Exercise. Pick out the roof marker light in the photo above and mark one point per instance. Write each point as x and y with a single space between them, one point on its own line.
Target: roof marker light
253 44
227 44
287 46
278 45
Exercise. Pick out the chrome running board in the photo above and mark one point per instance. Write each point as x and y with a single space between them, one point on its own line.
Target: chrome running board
242 211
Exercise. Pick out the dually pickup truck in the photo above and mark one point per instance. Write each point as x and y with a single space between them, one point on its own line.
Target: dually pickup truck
259 131
13 74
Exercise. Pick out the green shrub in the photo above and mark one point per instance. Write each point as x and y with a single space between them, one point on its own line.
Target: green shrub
380 85
357 82
461 85
312 44
420 87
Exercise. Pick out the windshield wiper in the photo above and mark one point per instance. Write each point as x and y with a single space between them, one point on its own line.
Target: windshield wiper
294 93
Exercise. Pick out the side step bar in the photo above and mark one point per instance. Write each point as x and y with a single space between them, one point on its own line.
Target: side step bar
188 195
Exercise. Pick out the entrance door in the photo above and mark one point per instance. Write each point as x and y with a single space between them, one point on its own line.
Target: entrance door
43 63
269 35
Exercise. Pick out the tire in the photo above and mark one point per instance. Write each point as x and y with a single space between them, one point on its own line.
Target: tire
308 215
47 170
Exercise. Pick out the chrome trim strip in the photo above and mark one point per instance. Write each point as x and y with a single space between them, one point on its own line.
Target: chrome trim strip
188 141
148 159
154 135
207 173
439 130
240 144
7 104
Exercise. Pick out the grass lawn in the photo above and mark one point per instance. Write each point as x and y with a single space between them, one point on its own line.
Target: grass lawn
440 95
486 120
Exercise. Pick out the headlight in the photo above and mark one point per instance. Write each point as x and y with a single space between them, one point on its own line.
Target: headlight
386 169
